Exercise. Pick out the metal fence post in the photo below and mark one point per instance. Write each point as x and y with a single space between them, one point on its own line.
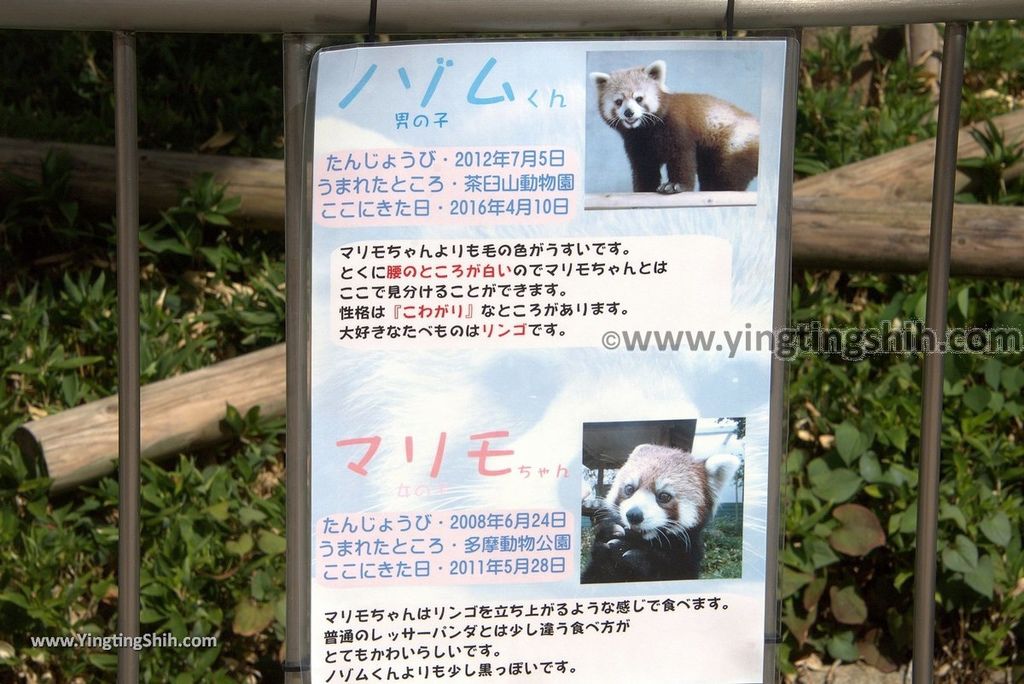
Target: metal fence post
296 51
777 429
935 320
129 412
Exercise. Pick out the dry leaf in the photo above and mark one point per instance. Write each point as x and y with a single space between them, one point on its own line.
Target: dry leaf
218 140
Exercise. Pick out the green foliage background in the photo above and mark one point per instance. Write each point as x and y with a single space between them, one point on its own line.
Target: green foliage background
213 521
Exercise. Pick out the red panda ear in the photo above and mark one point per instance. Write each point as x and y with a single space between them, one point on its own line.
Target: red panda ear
656 70
599 77
720 469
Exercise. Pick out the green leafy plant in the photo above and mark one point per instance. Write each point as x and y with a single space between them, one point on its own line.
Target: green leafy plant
210 93
994 70
213 563
212 523
851 489
851 107
996 177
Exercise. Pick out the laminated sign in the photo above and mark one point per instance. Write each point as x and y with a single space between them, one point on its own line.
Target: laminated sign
544 406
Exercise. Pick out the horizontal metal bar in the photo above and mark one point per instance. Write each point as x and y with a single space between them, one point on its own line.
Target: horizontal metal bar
189 16
453 16
443 16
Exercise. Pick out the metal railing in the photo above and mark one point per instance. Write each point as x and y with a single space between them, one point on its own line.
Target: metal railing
297 20
475 16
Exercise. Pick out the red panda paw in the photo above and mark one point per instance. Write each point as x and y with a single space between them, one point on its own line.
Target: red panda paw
670 188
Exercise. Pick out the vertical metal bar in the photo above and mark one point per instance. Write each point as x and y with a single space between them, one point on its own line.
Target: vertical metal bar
296 51
777 425
128 411
935 320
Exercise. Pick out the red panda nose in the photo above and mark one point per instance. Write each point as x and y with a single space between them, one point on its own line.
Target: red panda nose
628 113
635 516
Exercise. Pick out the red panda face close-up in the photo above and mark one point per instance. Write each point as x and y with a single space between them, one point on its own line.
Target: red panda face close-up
630 98
662 491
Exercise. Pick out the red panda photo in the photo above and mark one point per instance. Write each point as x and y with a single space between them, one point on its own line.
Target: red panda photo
702 141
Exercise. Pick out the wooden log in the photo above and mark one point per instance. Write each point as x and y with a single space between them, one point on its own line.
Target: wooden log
179 413
162 175
903 174
853 234
924 47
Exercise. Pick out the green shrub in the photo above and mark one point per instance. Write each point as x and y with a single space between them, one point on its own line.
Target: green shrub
851 473
851 483
215 92
212 523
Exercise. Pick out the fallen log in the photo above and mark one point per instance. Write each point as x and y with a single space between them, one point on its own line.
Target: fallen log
851 234
162 175
903 174
80 444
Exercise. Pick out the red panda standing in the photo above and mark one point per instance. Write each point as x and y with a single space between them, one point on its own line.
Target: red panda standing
651 525
694 136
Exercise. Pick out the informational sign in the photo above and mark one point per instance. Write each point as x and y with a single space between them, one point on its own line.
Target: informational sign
543 292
